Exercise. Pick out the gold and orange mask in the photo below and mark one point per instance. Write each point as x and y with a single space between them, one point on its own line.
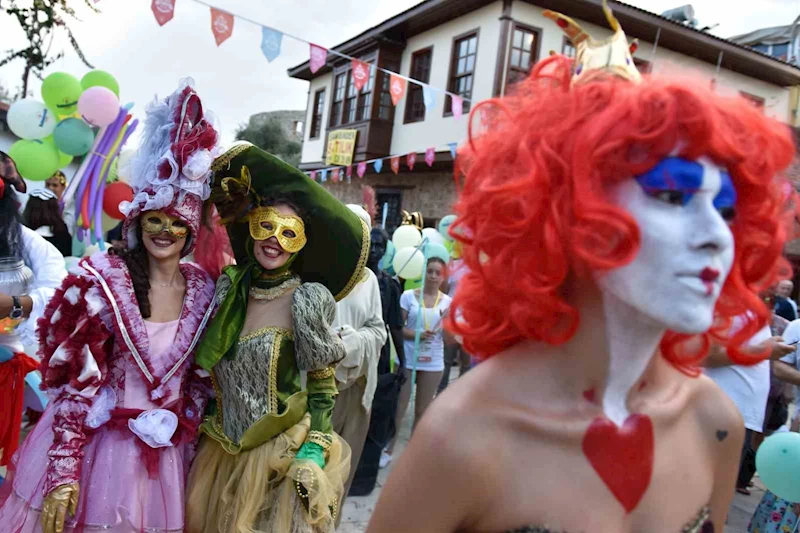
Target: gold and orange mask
155 222
266 222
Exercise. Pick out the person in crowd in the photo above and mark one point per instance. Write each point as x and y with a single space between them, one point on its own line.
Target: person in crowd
268 458
784 290
454 352
114 236
112 449
774 514
359 323
748 386
629 212
31 269
57 184
427 362
42 216
383 418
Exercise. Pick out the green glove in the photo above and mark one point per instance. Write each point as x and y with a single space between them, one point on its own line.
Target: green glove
313 452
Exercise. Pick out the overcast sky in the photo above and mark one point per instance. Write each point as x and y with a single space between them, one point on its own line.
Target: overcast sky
235 79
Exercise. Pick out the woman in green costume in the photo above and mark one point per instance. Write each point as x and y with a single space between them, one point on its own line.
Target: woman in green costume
268 459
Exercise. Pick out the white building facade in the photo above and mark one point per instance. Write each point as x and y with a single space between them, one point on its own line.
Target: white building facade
477 48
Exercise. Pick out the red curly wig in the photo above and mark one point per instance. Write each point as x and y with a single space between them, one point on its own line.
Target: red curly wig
533 207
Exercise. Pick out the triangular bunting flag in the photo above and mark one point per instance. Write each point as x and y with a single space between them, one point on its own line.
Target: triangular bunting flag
429 96
458 106
361 169
360 74
319 56
314 175
349 172
335 176
324 176
378 166
271 43
221 25
453 149
163 10
395 164
430 155
397 88
410 160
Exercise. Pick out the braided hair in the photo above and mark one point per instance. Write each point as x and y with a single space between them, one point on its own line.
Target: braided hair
139 269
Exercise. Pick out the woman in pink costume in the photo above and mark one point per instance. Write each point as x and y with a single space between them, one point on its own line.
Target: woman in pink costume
113 448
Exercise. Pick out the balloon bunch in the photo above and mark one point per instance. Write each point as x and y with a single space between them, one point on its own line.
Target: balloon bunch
408 258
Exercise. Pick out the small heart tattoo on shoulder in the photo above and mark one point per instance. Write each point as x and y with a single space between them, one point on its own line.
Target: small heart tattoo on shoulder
722 435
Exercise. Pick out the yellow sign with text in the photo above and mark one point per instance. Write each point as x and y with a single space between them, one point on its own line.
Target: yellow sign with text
341 145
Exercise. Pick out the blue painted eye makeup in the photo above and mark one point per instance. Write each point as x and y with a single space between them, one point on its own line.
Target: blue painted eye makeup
674 180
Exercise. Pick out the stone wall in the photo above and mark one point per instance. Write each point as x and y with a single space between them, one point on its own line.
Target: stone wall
431 193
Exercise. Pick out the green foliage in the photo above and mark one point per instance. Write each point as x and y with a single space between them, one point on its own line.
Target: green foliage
270 136
39 19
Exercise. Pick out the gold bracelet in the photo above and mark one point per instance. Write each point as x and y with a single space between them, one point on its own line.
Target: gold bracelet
319 375
324 440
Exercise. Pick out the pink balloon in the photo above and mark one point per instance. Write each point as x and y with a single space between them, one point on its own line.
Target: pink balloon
98 106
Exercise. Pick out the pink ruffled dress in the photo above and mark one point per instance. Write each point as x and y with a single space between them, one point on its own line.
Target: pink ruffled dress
129 446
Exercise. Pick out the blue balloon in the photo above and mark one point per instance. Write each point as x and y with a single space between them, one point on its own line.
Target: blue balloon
5 354
437 250
778 465
444 226
386 261
73 136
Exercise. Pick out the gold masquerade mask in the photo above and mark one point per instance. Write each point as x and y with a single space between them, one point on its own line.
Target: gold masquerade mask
155 222
266 222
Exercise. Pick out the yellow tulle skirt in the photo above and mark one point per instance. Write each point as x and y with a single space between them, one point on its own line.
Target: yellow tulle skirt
264 490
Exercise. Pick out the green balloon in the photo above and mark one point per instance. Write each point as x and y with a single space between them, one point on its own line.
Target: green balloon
64 159
778 464
36 160
60 91
73 136
100 78
412 284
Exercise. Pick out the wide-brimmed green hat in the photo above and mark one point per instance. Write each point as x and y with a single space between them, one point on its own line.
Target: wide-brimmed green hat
338 240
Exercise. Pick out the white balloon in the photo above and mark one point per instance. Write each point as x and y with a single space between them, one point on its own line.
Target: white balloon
409 263
433 235
124 164
406 236
30 119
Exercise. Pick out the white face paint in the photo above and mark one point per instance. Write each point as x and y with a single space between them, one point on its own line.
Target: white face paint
685 255
686 249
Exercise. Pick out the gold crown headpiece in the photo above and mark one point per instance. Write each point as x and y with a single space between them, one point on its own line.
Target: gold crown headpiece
612 56
413 219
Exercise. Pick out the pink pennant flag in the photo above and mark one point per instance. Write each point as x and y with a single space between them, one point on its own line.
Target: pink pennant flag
395 164
430 155
361 169
410 160
335 175
221 25
163 10
458 107
319 56
349 172
397 88
314 175
360 74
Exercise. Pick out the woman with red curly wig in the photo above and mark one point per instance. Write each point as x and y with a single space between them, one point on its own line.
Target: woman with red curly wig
612 227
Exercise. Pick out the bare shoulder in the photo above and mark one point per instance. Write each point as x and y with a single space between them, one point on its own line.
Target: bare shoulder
717 413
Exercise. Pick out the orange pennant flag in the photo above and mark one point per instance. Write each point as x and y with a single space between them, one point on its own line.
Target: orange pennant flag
395 163
397 88
221 25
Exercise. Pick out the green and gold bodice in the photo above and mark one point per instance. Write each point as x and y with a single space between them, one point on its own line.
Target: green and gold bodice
257 384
